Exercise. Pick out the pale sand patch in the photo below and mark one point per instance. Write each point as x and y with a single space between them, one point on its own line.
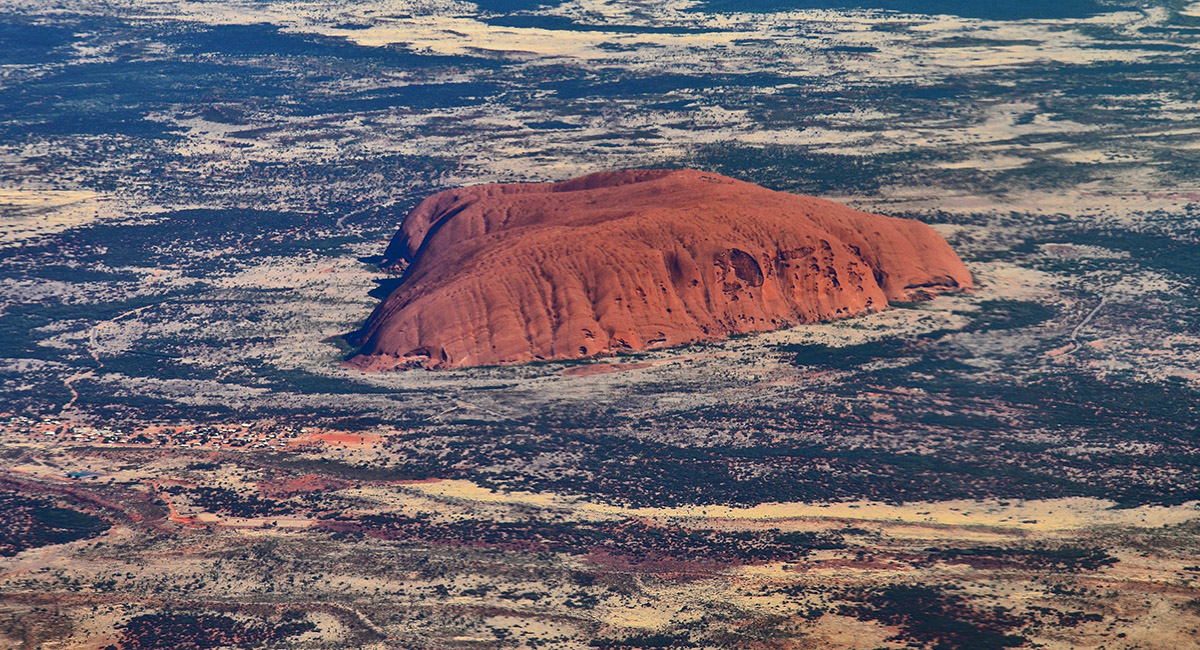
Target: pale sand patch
646 618
1042 515
42 198
1059 351
833 631
993 163
459 35
265 522
29 213
674 603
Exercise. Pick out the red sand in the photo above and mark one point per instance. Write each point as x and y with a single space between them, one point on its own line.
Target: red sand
340 439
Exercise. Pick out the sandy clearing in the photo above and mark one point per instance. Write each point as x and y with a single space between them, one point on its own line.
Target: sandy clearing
29 213
1043 515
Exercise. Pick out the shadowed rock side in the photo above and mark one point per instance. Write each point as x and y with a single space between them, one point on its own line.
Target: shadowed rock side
621 261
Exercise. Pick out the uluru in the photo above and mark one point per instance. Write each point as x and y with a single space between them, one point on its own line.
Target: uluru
634 260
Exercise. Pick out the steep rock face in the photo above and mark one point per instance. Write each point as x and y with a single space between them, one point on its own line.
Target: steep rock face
620 261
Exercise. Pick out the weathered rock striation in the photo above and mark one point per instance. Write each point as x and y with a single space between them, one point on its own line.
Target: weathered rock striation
630 260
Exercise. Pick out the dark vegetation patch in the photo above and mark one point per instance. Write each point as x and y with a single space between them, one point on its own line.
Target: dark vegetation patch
265 40
130 407
203 466
573 86
24 41
645 640
1148 47
165 241
936 618
1008 10
805 172
27 523
1068 558
636 541
230 502
302 382
992 315
986 437
976 41
1061 619
361 471
852 49
180 631
553 125
1178 254
110 98
227 61
232 74
18 325
1008 315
